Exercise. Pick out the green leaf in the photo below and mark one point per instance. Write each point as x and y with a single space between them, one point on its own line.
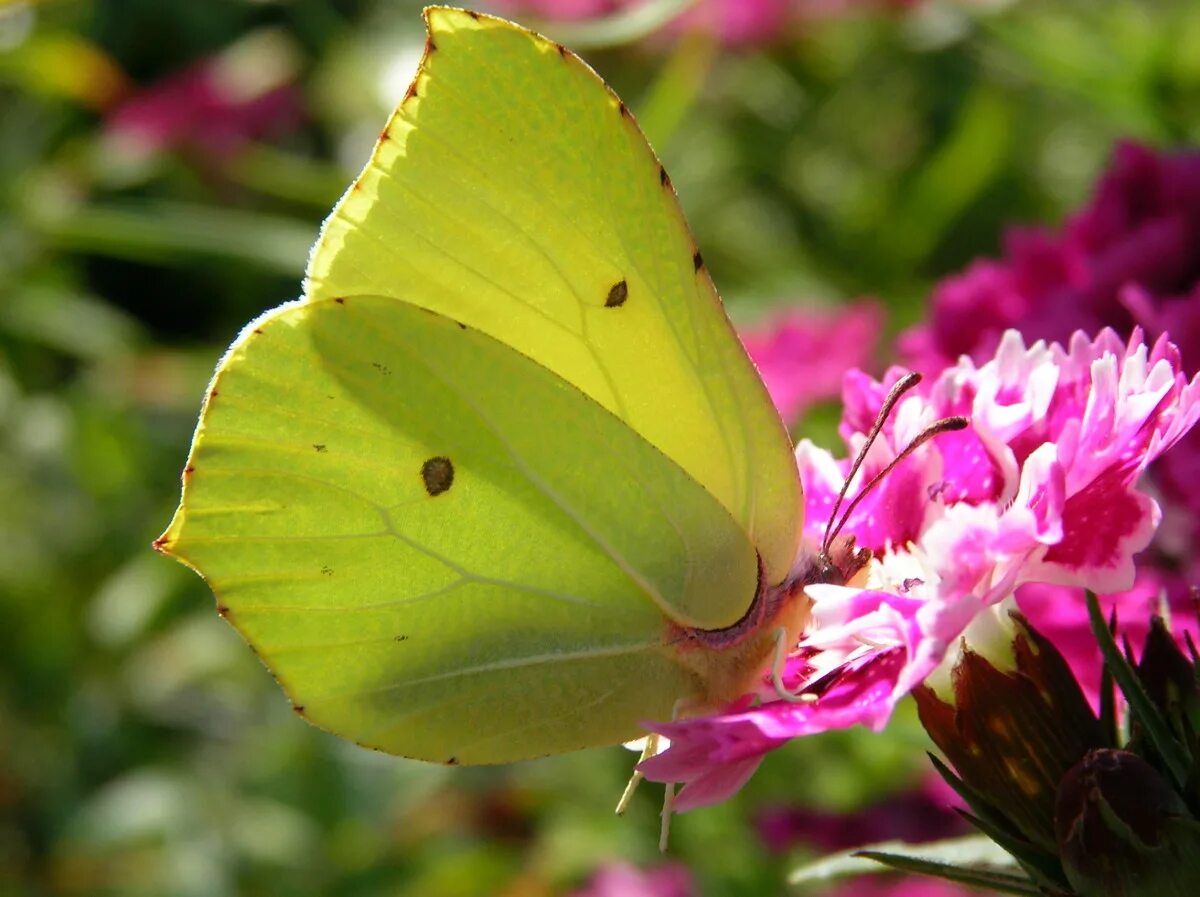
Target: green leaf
1175 756
976 878
972 849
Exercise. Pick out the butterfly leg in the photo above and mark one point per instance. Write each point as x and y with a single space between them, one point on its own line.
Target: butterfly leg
781 653
664 831
648 750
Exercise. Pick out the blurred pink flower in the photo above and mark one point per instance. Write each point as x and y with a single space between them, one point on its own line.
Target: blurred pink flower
1040 488
216 105
921 814
624 880
1127 258
736 22
802 356
906 886
1057 613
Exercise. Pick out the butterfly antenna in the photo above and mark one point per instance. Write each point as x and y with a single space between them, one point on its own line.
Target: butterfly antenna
903 385
945 425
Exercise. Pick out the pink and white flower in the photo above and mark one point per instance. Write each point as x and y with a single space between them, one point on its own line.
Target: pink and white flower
1041 488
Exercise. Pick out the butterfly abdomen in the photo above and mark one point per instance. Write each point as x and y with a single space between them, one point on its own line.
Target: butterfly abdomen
730 662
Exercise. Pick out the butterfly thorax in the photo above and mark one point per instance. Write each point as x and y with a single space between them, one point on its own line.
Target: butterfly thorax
730 662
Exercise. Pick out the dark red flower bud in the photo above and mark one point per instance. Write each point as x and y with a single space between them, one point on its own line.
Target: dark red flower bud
1123 831
1012 734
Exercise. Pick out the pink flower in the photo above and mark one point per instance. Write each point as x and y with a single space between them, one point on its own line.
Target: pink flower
1040 488
1057 613
737 22
894 886
624 880
802 356
922 814
216 105
1127 258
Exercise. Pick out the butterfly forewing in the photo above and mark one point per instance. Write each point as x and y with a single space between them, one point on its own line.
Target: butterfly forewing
513 191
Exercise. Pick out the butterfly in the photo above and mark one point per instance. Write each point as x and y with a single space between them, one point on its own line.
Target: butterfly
503 483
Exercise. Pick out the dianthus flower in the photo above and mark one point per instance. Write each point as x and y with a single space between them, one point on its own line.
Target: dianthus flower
1127 258
1041 488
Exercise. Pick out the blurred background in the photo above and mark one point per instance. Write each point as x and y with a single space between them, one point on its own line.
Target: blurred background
164 167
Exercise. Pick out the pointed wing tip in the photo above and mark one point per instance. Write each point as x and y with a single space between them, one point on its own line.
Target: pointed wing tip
167 543
444 19
440 18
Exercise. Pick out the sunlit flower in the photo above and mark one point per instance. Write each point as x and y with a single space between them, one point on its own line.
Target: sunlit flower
1040 488
802 356
1127 258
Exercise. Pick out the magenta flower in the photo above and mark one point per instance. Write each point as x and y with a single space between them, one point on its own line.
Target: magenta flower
623 880
1040 488
215 106
1056 612
907 886
921 814
802 356
736 22
1126 259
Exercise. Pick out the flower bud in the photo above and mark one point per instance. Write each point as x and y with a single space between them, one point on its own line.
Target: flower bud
1123 831
1011 734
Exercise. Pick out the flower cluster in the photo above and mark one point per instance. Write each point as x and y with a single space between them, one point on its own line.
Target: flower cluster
1127 258
1041 488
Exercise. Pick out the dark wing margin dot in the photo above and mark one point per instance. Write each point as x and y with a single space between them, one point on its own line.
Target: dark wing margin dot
697 261
617 294
662 176
437 474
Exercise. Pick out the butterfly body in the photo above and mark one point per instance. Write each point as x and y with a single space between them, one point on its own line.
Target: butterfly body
503 483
